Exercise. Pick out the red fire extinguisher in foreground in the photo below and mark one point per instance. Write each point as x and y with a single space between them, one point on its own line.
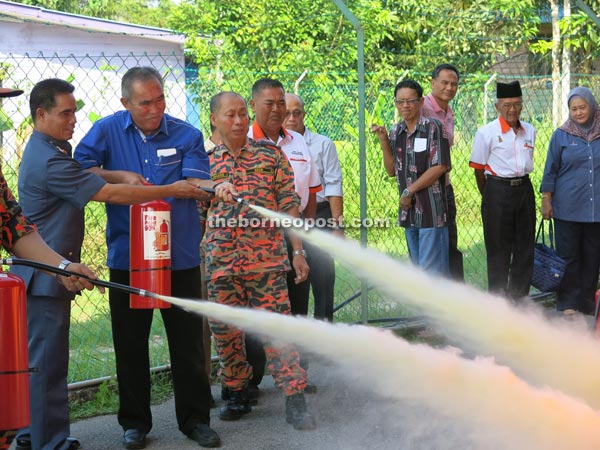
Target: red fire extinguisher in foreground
150 252
14 363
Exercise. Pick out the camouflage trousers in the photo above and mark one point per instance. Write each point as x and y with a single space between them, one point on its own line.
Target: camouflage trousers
261 291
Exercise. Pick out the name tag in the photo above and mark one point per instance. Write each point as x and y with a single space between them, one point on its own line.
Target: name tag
166 152
261 170
420 145
219 176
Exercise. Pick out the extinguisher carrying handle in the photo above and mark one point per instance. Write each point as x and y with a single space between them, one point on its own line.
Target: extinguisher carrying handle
108 284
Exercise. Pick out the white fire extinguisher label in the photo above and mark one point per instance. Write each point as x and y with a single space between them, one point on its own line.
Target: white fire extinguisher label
157 234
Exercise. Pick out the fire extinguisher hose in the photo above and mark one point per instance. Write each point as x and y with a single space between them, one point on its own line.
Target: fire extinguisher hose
108 284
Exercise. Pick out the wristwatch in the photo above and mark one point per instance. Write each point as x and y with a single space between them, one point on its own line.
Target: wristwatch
405 193
64 264
299 252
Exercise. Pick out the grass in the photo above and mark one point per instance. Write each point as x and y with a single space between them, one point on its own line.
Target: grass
103 399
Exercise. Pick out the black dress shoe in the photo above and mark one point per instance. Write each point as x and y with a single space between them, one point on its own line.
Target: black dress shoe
134 439
25 444
204 435
74 444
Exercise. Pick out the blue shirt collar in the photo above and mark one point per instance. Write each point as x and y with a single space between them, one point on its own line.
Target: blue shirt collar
61 146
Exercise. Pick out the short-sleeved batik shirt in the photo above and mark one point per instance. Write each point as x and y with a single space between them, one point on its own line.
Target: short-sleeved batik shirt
238 240
13 223
414 153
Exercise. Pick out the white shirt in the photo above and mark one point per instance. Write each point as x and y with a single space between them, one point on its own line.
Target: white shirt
306 176
324 154
501 152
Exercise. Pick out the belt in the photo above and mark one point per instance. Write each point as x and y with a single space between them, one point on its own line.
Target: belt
516 181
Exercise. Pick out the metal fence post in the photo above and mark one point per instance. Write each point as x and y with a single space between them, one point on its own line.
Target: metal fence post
362 145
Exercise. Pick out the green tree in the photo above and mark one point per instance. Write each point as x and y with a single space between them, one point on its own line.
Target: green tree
580 35
276 36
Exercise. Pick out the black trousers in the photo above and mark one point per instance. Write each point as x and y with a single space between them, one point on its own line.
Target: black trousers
131 330
298 294
322 271
455 256
508 214
579 244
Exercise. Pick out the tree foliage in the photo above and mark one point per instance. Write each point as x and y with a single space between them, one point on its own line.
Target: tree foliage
274 36
581 36
271 36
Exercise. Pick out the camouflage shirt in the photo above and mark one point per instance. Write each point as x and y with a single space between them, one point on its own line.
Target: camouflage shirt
238 240
13 223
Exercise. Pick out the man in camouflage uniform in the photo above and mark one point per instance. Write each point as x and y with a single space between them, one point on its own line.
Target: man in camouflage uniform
247 262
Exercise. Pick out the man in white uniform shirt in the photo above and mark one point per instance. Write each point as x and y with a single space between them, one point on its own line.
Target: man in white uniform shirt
503 158
329 205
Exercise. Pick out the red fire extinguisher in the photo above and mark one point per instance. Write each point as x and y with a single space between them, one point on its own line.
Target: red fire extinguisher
14 364
150 252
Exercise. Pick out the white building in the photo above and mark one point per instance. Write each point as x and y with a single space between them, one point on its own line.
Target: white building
91 53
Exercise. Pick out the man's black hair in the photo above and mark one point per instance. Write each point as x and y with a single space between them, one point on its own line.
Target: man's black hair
43 95
410 84
440 67
266 83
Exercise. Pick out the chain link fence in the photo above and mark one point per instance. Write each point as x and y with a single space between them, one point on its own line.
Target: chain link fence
331 103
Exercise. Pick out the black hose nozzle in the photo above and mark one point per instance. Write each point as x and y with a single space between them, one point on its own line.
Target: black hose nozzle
48 268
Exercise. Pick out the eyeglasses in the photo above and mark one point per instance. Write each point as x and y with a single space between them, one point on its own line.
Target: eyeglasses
296 113
509 106
408 102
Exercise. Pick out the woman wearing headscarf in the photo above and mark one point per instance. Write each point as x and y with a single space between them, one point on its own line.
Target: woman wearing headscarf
571 195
